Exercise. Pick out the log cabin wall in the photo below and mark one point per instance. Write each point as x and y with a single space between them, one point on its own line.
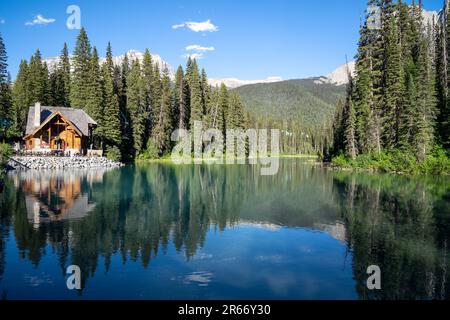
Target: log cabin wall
57 134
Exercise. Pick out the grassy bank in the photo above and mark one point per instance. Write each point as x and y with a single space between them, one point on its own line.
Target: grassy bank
5 152
168 159
437 163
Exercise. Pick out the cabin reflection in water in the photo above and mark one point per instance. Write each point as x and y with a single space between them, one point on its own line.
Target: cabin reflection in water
57 195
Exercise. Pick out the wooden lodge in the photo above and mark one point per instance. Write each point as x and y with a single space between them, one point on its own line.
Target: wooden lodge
67 130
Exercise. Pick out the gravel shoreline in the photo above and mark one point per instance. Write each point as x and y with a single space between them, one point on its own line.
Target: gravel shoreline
52 163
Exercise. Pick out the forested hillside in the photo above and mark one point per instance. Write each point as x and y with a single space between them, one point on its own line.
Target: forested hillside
309 103
303 108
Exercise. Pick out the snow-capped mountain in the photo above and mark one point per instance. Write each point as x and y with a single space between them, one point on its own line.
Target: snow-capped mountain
137 55
52 62
429 17
339 76
234 83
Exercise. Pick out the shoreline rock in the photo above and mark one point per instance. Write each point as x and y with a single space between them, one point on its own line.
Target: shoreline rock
54 163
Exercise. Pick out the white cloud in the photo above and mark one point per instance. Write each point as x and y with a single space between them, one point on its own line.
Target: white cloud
205 26
39 19
196 56
196 47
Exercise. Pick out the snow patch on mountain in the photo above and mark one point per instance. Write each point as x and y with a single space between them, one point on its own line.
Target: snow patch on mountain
137 55
429 17
132 55
234 83
339 76
53 62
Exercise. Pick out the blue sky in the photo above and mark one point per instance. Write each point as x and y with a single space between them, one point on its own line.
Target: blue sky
252 39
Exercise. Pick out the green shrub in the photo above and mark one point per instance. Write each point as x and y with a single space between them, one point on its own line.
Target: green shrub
5 152
113 153
403 162
437 163
383 162
150 153
364 161
340 161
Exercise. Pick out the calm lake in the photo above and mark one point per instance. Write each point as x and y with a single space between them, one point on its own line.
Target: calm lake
160 231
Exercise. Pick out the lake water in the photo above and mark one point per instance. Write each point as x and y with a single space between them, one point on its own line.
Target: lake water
160 231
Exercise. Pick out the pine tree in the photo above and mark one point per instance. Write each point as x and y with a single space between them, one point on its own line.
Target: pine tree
180 108
54 88
364 100
187 76
393 87
81 71
94 105
163 127
64 74
221 109
442 78
147 78
59 79
338 131
156 92
46 83
366 89
213 117
410 100
349 134
425 113
206 95
5 84
374 122
21 100
37 79
109 63
111 126
6 105
235 117
196 104
189 69
136 106
121 75
231 117
441 87
122 88
349 123
3 62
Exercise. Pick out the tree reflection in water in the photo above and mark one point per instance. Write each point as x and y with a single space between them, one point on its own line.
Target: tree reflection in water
400 224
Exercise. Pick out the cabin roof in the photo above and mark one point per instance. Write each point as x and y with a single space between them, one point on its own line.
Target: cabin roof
77 117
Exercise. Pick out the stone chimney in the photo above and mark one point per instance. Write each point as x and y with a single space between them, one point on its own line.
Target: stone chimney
37 114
